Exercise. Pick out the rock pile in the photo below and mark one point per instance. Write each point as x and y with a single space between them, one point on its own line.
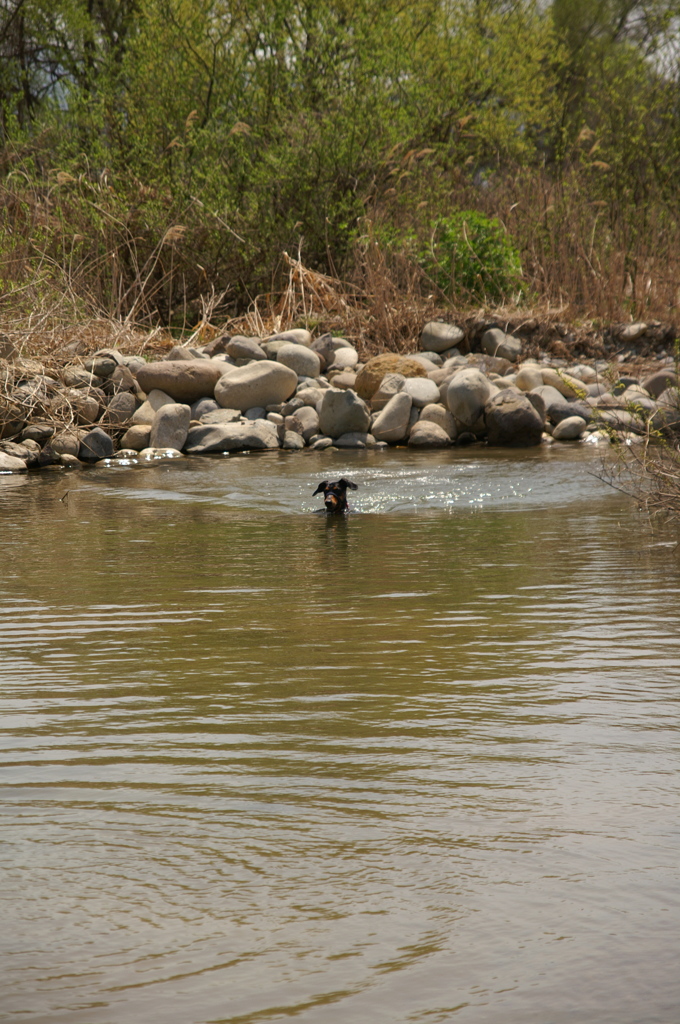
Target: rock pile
293 391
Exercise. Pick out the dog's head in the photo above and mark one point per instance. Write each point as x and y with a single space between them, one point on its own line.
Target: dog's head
335 493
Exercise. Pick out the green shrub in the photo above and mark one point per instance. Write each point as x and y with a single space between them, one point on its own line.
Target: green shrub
471 256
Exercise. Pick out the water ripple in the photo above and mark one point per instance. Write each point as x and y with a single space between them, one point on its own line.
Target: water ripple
259 765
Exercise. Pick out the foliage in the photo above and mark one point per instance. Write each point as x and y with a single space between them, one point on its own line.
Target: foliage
472 257
155 149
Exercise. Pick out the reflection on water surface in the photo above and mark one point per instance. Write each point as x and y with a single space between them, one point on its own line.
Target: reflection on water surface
418 764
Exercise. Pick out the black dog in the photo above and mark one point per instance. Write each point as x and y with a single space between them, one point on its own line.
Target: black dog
335 494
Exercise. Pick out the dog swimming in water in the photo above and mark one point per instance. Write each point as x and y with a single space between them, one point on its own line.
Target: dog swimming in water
335 495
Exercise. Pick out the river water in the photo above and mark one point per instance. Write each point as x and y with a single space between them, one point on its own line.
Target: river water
414 765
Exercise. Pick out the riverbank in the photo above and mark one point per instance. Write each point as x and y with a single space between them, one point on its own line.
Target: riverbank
476 381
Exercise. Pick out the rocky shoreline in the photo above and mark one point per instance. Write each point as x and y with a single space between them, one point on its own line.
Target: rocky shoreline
292 391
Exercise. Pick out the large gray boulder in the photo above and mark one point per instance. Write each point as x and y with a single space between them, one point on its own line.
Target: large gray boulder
345 358
427 434
557 407
304 421
570 387
121 408
11 464
241 347
304 361
122 379
466 396
103 363
621 419
67 442
667 415
529 377
355 439
261 383
96 444
323 346
659 382
441 417
79 377
438 337
221 416
569 429
137 437
342 412
505 346
170 427
298 335
292 441
77 404
422 390
185 380
392 423
229 437
148 409
512 420
390 385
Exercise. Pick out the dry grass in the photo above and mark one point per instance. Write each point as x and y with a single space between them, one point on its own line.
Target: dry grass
384 307
56 340
661 482
377 315
596 258
79 273
587 267
74 258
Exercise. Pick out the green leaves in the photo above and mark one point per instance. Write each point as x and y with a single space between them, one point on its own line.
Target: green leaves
290 121
472 257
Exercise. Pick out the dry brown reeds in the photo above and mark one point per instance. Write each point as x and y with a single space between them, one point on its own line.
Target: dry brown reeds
80 268
661 482
647 470
604 259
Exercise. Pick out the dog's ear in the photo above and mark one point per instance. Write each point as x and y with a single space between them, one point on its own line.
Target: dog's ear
348 483
321 487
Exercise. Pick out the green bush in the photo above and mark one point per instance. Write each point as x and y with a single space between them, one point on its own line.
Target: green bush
153 150
471 256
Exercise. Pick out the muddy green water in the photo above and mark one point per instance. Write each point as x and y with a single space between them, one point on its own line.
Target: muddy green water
415 765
